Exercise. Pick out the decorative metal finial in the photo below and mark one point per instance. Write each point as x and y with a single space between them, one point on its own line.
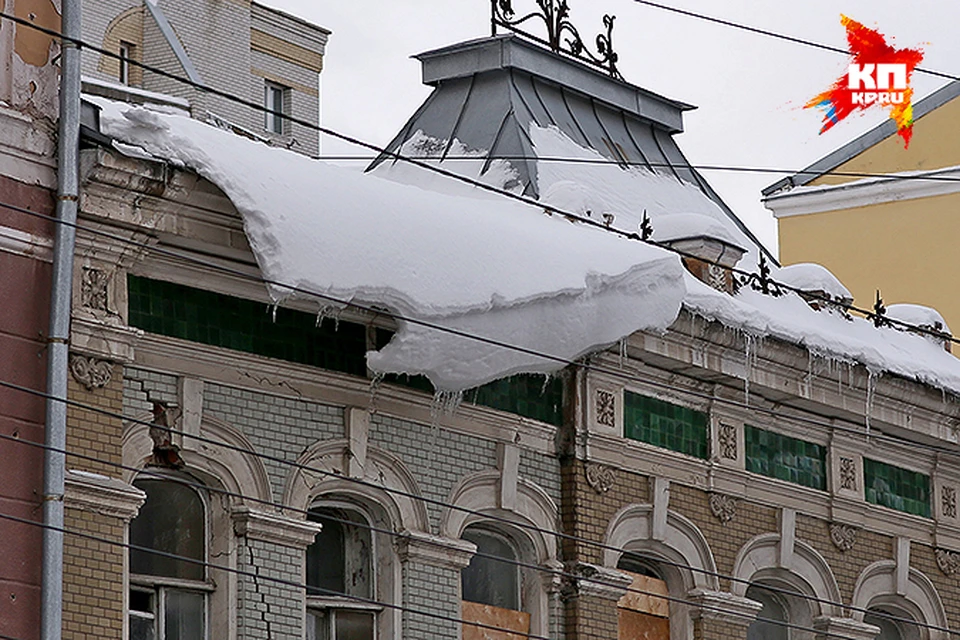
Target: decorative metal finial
562 36
762 281
879 315
646 229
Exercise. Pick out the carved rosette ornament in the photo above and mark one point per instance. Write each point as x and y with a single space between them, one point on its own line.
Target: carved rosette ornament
843 536
948 561
90 372
599 477
848 474
727 437
606 408
93 289
948 500
723 507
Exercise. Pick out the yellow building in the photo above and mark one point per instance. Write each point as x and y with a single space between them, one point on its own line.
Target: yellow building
880 216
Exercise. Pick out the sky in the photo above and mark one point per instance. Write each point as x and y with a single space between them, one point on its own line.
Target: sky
749 88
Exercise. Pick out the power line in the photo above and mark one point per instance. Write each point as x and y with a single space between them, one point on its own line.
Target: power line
619 374
146 471
930 176
255 576
475 183
772 34
454 176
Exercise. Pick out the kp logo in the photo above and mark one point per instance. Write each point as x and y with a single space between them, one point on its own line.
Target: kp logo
879 75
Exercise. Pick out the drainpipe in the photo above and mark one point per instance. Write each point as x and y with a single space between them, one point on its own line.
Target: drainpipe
68 178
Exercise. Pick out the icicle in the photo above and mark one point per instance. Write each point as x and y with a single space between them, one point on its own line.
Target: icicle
871 388
273 311
623 352
445 403
749 357
547 377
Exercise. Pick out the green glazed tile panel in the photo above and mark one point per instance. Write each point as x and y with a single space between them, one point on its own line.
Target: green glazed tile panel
525 395
665 425
785 458
896 488
244 325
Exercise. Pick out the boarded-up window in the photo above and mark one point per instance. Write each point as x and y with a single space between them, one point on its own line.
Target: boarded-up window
491 590
642 614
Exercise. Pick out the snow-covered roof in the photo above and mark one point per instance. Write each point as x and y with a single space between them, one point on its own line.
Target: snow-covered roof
808 276
481 264
918 315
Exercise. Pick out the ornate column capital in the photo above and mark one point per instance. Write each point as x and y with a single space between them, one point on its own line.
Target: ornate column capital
106 496
828 627
724 607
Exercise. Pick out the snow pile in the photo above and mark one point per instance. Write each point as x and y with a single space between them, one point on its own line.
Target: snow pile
918 315
681 226
827 335
807 276
497 269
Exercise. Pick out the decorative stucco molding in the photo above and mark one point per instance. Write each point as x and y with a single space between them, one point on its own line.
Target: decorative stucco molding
727 439
724 607
948 561
413 546
606 408
92 373
843 536
722 506
948 501
273 527
600 477
833 627
848 474
106 496
599 582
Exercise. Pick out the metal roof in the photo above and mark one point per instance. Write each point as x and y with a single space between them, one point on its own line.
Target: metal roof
488 92
860 144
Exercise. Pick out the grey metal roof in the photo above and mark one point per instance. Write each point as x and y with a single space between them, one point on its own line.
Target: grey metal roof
860 144
488 92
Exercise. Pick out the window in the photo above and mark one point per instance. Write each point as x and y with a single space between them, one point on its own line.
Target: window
168 596
640 614
275 100
769 624
126 54
491 589
340 564
891 628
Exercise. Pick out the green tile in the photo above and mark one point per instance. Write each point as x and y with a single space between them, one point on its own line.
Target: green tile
778 456
663 424
896 488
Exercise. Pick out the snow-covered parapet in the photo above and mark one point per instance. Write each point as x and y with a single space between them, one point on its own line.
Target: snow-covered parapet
816 284
928 319
475 264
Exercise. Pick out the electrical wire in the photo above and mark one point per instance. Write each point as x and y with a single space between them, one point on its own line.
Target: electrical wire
256 577
333 133
465 179
149 472
619 374
772 34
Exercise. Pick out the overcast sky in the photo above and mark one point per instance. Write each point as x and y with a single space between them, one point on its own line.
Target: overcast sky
749 88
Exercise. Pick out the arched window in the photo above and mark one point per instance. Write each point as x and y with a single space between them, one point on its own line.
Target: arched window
168 576
769 623
640 613
891 629
341 577
491 585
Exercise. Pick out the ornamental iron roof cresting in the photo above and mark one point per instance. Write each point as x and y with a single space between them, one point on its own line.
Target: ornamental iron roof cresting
562 35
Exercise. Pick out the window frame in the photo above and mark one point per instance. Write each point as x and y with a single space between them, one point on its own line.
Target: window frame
126 54
508 541
160 586
275 118
330 604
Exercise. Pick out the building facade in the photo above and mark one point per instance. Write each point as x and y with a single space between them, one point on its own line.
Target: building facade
895 202
237 471
246 49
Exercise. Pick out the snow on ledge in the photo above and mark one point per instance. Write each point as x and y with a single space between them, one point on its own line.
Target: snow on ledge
494 268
